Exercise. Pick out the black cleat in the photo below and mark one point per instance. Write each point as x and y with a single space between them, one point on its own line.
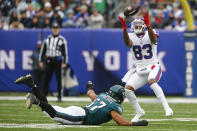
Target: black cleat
140 123
89 85
27 80
31 99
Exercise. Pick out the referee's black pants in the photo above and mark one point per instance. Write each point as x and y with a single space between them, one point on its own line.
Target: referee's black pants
52 64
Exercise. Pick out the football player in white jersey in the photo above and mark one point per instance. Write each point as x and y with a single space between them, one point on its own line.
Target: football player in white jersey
143 45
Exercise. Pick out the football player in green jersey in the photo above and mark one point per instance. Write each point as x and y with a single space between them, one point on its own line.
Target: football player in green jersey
104 107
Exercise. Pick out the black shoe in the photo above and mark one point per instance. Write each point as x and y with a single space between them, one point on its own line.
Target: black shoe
27 80
31 99
89 85
140 123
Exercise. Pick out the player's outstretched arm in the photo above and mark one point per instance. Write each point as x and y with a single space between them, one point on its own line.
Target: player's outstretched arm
126 38
123 122
119 119
90 91
151 33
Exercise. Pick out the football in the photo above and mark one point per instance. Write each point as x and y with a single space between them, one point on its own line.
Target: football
131 10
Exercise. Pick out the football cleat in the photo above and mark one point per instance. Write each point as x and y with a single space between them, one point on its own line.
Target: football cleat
27 80
169 112
31 99
89 85
138 115
140 123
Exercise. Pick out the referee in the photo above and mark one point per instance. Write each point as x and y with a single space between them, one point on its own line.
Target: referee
55 53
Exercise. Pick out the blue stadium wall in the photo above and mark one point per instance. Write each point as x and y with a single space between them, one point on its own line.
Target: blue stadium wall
111 61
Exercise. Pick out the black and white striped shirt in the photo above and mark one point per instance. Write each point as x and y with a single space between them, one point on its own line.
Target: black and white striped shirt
54 46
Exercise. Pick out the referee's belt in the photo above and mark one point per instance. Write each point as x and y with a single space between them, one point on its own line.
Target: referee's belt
58 58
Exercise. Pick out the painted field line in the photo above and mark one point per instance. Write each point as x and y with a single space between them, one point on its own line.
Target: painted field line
43 126
163 123
129 128
23 115
86 99
56 126
23 120
175 119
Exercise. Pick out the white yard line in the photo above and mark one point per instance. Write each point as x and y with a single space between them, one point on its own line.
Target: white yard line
42 126
57 126
23 120
21 115
86 99
175 119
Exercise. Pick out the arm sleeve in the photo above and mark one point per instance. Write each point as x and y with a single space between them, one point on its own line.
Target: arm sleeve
65 51
42 52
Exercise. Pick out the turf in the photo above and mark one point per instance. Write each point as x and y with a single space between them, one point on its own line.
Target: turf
15 117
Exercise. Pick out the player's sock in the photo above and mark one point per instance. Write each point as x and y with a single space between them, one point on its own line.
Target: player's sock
39 94
133 100
160 95
47 108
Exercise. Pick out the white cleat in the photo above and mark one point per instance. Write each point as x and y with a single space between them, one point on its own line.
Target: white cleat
138 116
169 112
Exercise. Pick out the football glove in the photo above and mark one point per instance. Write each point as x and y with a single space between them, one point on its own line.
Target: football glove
122 20
140 123
146 20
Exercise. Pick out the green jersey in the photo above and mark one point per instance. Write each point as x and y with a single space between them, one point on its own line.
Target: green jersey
99 110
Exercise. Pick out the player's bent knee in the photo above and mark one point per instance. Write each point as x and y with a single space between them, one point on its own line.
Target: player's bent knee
152 81
129 87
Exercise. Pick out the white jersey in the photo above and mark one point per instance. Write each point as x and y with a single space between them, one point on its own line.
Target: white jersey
144 52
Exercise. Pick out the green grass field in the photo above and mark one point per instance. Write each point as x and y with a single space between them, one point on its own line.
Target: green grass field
15 117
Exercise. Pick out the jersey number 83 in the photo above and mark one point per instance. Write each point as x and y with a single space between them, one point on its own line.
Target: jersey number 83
138 51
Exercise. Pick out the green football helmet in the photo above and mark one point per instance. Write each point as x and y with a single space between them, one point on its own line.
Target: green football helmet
117 92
